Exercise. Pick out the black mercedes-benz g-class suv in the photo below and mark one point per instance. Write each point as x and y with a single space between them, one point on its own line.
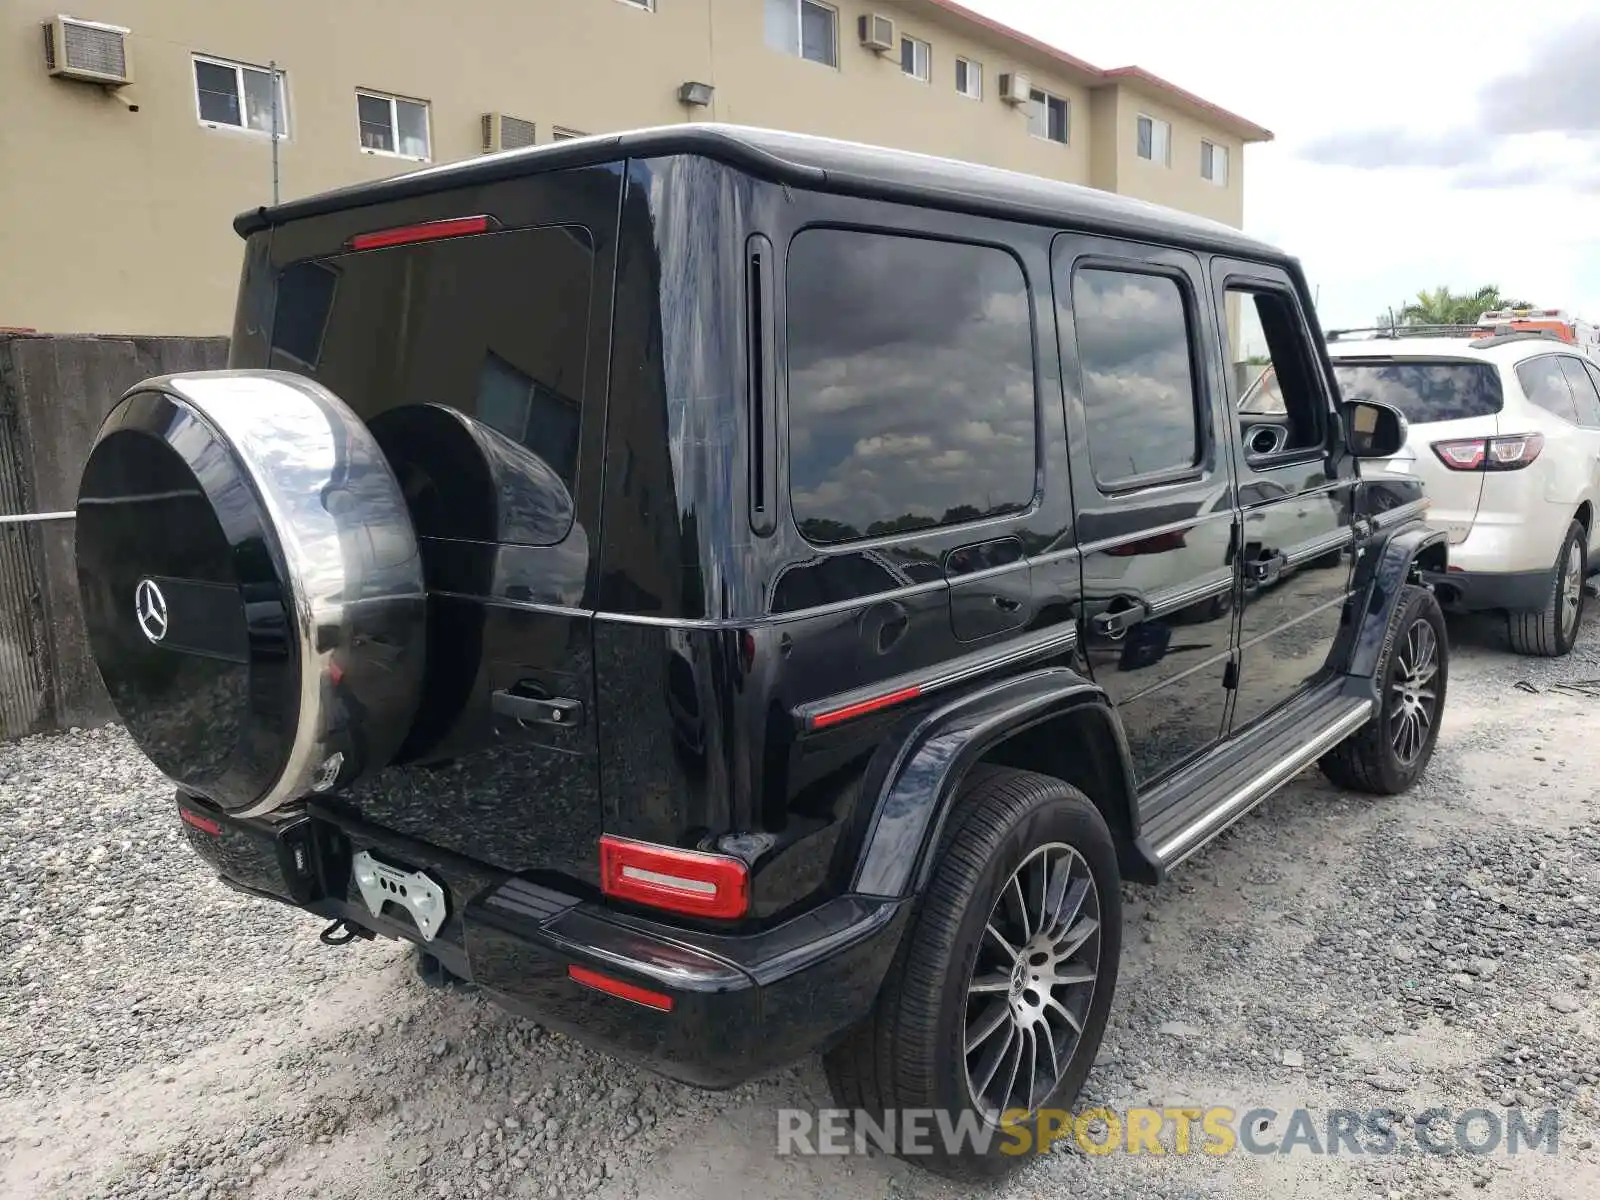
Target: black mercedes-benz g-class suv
736 595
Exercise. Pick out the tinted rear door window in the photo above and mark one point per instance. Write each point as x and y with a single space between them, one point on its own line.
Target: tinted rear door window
1137 374
1545 383
1424 391
911 384
1583 392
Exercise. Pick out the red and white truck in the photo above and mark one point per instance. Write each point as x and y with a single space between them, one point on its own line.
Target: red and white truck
1581 334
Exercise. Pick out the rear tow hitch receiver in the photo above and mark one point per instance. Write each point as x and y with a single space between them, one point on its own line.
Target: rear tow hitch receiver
380 884
342 933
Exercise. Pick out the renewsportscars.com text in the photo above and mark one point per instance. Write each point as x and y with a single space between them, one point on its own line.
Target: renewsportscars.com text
1181 1130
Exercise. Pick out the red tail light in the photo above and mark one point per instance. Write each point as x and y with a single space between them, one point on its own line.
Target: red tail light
427 231
616 987
1509 452
203 824
681 881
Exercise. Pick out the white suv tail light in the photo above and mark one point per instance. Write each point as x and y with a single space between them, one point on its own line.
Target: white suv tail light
1509 452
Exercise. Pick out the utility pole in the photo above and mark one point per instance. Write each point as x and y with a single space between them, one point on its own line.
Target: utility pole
275 83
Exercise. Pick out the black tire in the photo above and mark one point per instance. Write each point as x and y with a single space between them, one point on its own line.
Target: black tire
1380 758
1551 631
910 1053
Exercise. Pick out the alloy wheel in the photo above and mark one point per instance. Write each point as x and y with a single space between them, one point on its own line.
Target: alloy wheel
1414 696
1032 982
1571 599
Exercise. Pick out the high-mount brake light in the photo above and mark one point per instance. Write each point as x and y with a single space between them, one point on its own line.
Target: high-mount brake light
425 231
1508 452
690 882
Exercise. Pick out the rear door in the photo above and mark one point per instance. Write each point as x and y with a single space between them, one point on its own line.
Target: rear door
1154 492
1584 379
1296 497
479 362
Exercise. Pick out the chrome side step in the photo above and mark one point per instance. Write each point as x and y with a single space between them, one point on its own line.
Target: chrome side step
1179 844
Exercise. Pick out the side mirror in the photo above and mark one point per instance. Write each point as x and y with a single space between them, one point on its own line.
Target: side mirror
1373 430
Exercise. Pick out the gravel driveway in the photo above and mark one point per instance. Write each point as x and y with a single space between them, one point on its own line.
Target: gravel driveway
163 1037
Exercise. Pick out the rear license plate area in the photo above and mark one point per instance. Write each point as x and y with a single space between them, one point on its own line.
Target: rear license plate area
389 891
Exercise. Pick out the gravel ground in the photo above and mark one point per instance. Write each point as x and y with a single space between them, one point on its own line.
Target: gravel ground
161 1036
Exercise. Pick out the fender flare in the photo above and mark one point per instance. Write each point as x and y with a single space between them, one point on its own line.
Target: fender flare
1389 575
914 792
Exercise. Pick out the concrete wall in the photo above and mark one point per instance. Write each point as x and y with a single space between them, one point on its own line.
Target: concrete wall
118 222
54 392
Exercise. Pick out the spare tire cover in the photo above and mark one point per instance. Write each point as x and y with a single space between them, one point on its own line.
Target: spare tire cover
251 586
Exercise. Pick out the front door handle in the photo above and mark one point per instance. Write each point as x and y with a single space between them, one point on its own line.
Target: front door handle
1007 604
538 710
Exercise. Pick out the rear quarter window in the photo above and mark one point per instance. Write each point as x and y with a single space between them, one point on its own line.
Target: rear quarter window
1424 391
911 384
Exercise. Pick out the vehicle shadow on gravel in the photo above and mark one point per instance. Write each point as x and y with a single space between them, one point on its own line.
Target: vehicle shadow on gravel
1331 950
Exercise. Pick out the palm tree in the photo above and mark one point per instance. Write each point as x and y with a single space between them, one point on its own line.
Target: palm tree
1441 306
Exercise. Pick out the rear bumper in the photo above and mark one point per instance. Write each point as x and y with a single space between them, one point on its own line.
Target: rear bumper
741 1005
1479 591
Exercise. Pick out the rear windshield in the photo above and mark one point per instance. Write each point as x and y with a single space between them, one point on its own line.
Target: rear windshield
494 326
1423 391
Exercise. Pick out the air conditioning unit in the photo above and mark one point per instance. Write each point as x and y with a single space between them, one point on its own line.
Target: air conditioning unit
88 50
503 132
877 32
1015 88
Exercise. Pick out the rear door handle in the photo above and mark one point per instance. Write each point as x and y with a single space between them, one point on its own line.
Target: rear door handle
1263 569
534 710
1007 604
1115 624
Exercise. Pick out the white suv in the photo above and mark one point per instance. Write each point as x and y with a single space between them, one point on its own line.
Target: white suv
1505 433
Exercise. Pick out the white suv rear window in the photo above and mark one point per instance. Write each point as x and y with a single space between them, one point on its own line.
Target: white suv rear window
1424 391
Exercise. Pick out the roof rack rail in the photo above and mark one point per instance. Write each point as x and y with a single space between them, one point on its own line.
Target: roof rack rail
1501 338
1406 331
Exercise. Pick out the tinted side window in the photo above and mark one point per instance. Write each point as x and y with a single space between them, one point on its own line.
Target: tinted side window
1138 378
1546 385
1583 392
1593 372
911 384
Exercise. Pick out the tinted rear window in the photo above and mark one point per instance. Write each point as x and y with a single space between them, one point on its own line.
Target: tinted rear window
495 326
1423 391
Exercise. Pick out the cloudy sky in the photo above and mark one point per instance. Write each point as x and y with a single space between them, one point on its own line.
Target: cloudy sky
1419 143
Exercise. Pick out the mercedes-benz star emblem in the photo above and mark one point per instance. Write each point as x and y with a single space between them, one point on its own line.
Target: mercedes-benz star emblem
150 610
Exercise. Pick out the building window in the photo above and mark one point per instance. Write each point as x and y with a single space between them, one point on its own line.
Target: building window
391 125
560 133
647 5
914 58
1047 116
1214 163
909 409
1155 140
804 28
239 97
969 78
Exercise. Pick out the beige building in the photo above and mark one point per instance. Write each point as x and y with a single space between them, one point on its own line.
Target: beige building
116 200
